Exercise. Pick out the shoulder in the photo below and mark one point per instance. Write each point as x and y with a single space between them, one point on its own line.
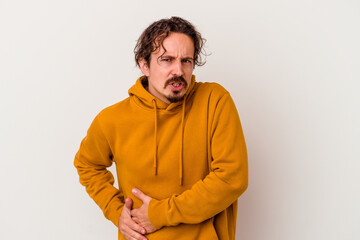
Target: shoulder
210 89
114 111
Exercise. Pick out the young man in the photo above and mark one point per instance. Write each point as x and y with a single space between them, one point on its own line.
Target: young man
178 146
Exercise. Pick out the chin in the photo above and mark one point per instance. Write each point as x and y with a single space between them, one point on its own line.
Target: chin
175 97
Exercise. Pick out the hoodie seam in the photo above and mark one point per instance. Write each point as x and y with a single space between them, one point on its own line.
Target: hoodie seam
105 137
159 109
212 122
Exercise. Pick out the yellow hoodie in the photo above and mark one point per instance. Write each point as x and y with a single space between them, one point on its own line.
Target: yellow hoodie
189 156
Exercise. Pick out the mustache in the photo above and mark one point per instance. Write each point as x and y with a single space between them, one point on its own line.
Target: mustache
176 79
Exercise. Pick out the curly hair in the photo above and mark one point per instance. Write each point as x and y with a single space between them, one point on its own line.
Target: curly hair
153 37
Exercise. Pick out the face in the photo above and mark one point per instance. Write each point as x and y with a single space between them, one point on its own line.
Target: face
169 73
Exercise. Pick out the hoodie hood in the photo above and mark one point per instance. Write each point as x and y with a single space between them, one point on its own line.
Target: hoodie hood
147 101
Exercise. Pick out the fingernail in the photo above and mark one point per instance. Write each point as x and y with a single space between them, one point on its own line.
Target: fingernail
134 190
143 231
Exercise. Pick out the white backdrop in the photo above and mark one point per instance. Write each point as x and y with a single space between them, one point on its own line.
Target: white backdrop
292 68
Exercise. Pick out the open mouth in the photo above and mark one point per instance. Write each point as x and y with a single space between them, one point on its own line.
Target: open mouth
176 86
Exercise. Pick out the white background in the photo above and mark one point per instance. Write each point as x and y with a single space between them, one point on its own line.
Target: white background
292 68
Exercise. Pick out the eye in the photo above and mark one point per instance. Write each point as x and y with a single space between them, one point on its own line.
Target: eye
166 59
186 61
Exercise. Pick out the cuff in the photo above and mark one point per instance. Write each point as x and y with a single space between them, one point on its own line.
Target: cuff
114 216
157 213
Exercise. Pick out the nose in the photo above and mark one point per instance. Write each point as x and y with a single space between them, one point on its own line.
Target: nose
178 68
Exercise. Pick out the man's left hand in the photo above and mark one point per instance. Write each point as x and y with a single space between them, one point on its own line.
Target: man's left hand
140 215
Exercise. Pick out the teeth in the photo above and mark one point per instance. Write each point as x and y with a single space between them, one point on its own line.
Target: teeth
176 84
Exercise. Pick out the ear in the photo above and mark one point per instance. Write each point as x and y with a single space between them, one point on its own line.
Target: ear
144 67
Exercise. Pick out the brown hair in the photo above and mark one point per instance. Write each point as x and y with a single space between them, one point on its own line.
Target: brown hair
153 37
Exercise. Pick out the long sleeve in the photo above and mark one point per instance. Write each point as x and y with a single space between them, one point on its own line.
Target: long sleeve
227 180
91 161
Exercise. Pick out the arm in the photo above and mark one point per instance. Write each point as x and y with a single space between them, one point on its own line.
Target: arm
91 161
227 180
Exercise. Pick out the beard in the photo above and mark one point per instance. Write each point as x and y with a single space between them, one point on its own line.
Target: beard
176 96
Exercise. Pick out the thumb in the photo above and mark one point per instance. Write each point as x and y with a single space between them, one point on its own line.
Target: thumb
128 203
139 194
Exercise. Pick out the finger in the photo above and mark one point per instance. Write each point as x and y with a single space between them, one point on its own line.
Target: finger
136 220
135 231
139 194
135 215
132 235
130 230
128 203
136 227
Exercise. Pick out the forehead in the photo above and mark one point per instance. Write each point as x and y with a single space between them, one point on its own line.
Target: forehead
177 45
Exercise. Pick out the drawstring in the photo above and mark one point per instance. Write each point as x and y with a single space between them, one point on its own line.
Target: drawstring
155 138
181 142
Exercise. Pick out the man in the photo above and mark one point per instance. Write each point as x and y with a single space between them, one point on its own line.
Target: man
178 146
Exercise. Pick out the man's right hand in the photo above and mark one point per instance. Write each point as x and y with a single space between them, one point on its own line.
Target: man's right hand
128 228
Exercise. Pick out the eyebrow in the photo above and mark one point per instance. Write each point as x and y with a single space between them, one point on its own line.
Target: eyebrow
171 57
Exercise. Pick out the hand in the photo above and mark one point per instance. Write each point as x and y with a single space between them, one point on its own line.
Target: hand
128 228
140 215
